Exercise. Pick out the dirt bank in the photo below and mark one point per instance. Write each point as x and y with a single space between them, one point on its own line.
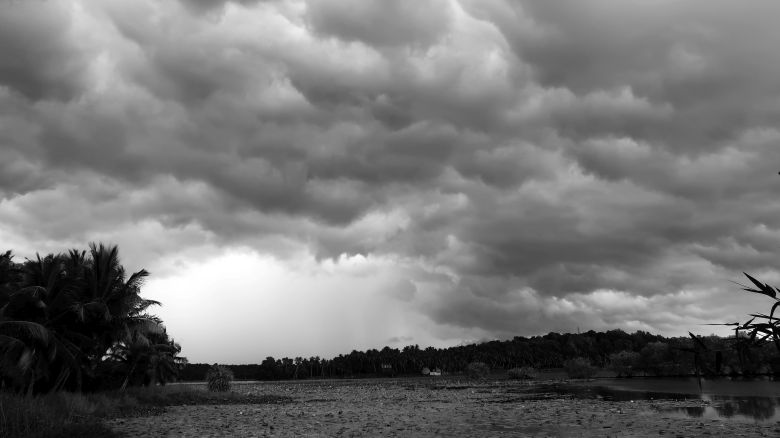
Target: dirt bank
422 408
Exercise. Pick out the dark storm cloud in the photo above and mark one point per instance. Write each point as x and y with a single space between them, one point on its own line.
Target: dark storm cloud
381 23
548 161
214 5
713 62
18 175
40 60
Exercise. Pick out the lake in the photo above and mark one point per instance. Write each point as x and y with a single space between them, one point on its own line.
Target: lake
743 400
754 400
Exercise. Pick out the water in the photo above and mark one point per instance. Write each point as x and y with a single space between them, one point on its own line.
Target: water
739 400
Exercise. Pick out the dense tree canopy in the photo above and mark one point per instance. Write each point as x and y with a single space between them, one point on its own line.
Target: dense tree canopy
76 320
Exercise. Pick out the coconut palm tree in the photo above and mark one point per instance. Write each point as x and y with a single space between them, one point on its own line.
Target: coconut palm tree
10 276
103 305
149 359
29 345
49 345
61 316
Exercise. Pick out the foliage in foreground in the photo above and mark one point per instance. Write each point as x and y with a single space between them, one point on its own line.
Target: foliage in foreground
761 327
75 321
218 378
61 414
79 415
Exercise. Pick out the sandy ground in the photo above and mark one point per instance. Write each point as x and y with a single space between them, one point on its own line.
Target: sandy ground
420 408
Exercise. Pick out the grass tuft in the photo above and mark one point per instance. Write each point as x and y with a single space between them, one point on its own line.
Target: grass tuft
218 378
54 415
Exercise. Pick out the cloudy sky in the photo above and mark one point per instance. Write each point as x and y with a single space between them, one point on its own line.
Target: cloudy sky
311 177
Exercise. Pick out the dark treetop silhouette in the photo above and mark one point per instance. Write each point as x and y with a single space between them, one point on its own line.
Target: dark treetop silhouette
76 320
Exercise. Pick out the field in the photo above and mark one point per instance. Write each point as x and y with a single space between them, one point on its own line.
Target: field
425 407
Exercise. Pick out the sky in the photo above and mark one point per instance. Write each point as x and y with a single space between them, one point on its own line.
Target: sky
307 178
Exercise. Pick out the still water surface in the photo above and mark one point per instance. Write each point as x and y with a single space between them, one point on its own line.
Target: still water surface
740 400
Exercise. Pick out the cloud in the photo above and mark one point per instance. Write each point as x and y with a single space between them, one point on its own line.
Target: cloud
380 23
42 58
510 158
400 340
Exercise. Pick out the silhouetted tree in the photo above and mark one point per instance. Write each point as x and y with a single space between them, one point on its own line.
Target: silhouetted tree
76 318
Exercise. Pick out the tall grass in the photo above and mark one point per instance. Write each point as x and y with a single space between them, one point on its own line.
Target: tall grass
55 415
77 415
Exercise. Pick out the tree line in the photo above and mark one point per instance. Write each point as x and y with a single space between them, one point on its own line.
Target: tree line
76 321
627 354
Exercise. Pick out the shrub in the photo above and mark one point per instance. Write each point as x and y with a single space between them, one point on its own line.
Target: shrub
477 370
624 363
218 378
522 373
579 368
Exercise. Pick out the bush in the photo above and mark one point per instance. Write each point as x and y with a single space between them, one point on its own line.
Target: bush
624 363
579 368
477 370
522 373
218 378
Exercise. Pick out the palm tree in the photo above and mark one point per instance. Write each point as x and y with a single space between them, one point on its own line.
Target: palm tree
10 276
147 359
107 306
62 316
54 352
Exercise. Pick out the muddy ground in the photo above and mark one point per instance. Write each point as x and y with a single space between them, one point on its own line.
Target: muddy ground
427 407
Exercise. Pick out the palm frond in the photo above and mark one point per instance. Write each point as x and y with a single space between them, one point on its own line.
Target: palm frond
10 344
146 324
25 330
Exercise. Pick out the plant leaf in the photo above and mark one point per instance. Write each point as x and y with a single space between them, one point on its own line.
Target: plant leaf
762 287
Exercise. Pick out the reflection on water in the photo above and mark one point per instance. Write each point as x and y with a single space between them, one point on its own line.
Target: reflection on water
757 409
754 401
